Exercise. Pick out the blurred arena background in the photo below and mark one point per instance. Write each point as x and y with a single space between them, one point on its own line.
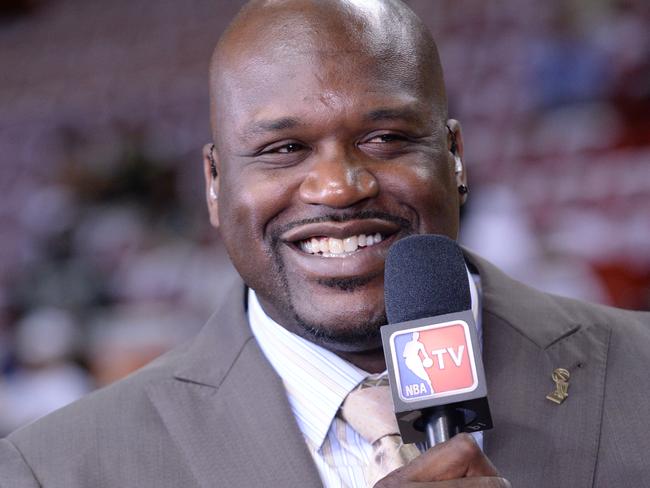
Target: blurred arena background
106 255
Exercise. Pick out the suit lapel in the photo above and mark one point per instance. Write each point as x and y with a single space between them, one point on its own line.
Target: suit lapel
228 411
527 335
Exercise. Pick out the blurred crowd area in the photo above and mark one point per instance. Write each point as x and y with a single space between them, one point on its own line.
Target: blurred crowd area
106 255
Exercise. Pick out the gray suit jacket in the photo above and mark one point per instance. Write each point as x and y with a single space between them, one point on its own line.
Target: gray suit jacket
214 413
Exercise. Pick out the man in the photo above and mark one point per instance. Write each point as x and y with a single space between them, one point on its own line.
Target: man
331 142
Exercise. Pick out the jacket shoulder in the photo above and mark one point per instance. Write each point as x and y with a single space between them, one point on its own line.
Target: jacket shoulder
77 445
545 318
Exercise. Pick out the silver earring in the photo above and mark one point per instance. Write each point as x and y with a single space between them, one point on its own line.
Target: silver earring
458 165
213 194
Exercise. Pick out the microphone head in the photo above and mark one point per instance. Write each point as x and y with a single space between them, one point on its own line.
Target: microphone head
425 276
431 343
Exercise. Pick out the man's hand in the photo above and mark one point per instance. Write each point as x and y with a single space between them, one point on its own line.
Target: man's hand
458 462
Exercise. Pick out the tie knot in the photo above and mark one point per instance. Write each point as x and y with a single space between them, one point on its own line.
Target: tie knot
369 410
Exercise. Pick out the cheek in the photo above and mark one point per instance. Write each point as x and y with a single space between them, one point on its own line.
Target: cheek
428 188
246 206
249 201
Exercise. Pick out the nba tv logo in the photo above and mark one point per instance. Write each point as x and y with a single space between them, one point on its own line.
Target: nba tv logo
434 361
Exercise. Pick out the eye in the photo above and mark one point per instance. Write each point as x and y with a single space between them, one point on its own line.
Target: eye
281 148
282 154
386 145
385 138
288 148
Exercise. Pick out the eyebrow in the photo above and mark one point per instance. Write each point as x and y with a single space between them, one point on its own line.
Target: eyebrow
283 123
272 125
402 113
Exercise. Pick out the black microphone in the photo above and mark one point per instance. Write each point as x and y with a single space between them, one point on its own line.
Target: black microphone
431 344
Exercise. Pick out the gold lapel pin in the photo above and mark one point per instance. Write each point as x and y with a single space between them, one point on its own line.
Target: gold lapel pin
561 378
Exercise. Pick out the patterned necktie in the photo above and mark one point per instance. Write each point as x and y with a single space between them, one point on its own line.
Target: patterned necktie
369 410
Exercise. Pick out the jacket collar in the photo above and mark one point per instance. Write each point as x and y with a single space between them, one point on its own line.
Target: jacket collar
519 305
211 354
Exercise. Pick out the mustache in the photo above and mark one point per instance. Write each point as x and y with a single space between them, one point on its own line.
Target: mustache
403 223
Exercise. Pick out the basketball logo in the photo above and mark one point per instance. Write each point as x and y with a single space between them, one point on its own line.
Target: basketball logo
434 361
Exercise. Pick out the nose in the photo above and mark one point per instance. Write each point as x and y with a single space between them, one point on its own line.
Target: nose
337 181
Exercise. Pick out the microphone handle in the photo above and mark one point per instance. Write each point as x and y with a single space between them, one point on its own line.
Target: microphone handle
442 424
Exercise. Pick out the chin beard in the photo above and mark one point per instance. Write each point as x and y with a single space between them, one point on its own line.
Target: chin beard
349 339
363 336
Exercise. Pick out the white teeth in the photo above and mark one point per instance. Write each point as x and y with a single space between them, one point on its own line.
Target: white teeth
333 247
336 246
350 244
323 246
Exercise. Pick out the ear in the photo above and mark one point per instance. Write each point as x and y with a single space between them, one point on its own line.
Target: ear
211 168
456 150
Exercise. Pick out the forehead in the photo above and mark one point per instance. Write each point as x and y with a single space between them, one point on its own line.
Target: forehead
304 82
321 61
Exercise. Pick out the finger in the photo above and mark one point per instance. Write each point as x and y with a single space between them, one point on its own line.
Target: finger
459 457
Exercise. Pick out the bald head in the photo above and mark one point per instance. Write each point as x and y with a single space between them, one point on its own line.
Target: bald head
329 121
369 38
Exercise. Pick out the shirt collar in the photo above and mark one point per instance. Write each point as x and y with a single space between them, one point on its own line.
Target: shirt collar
316 380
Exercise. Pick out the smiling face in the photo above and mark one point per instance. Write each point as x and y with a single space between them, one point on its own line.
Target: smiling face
330 146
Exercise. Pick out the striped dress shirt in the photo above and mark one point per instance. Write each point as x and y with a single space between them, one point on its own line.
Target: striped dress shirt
317 381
